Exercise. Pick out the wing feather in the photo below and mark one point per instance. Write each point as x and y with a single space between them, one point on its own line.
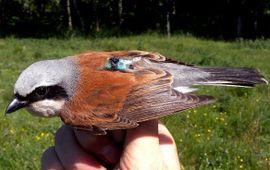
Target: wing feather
157 99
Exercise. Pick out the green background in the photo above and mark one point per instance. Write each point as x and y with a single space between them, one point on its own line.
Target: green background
233 133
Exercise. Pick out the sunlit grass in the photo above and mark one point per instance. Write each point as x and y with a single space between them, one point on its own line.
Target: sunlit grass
233 133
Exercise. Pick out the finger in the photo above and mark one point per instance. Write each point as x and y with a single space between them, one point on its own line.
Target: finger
71 155
50 161
168 148
102 146
141 149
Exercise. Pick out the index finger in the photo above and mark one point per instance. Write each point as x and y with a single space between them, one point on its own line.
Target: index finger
71 155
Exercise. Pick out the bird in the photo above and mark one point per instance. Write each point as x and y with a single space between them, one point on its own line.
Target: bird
103 91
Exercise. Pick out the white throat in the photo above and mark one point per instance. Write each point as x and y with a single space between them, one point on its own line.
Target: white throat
46 107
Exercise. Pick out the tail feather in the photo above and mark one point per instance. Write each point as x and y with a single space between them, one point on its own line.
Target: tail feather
244 77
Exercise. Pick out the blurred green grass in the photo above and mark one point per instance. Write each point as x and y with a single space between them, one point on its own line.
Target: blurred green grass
233 133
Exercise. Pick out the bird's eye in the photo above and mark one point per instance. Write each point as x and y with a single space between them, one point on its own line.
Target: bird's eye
41 91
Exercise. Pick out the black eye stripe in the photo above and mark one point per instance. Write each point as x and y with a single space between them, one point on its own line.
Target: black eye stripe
19 97
40 93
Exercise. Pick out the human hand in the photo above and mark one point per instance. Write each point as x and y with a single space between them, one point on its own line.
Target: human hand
149 146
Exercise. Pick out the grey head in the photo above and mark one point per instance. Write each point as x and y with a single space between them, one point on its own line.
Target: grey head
45 86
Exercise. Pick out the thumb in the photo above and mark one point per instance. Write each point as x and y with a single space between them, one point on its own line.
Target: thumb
141 149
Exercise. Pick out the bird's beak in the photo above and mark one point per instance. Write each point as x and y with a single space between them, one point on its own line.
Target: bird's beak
14 105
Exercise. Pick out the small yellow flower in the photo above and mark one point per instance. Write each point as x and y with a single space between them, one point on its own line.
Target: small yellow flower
197 135
209 130
42 134
241 160
37 137
241 166
11 131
